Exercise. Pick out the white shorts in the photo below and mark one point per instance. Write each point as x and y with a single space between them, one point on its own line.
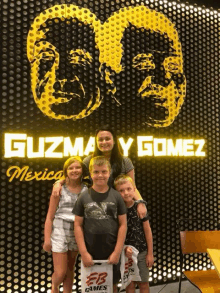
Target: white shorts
62 236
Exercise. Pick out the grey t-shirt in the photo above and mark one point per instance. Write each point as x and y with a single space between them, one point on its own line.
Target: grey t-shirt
100 213
126 167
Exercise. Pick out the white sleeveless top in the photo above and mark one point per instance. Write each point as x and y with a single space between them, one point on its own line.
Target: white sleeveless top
67 203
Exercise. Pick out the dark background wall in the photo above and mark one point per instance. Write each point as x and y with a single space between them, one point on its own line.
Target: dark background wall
212 3
174 187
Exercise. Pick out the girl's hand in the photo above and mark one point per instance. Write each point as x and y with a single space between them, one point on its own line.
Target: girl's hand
149 260
141 210
47 246
128 252
56 191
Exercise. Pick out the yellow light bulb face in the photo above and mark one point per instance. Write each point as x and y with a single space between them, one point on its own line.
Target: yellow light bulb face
145 47
135 41
60 77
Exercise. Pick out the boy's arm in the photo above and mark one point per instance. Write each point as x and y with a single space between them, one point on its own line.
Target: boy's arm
79 235
114 257
54 201
149 240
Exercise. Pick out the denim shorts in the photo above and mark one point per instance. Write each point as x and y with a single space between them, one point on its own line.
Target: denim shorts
62 236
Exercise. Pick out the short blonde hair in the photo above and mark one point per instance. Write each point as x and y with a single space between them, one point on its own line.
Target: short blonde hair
122 179
99 161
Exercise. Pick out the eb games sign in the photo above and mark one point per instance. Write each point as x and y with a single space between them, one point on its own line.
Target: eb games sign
98 278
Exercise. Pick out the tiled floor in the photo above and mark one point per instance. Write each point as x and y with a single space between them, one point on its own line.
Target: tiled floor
186 287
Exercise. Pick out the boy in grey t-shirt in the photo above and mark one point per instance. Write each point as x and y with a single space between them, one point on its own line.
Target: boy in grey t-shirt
100 222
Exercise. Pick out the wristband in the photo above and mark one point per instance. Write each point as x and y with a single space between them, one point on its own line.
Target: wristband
144 219
140 201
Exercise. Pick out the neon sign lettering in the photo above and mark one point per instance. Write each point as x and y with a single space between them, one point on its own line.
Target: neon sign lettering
21 146
25 174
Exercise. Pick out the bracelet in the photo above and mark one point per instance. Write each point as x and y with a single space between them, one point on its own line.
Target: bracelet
140 201
144 219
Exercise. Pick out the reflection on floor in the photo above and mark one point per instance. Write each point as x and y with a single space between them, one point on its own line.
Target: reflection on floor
186 287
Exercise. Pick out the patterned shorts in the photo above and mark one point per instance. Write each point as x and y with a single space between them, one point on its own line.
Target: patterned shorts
62 236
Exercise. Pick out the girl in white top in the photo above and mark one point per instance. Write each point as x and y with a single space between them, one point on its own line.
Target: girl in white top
58 231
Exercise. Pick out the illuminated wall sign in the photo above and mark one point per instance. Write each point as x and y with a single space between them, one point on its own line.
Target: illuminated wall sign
149 146
42 47
21 145
25 174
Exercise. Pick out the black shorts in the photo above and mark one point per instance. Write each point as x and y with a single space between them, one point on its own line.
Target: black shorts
116 273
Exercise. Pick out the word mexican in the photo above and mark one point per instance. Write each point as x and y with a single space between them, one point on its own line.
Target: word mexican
25 174
21 145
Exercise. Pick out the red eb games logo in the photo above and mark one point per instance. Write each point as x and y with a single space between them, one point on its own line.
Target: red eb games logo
128 264
98 278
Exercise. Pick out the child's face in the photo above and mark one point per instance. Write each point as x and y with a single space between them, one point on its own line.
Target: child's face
127 191
74 171
100 175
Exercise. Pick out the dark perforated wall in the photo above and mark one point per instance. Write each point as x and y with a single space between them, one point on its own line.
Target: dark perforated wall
147 68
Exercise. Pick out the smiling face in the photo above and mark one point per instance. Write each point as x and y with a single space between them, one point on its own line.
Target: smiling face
74 171
100 176
61 65
158 70
105 142
127 191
